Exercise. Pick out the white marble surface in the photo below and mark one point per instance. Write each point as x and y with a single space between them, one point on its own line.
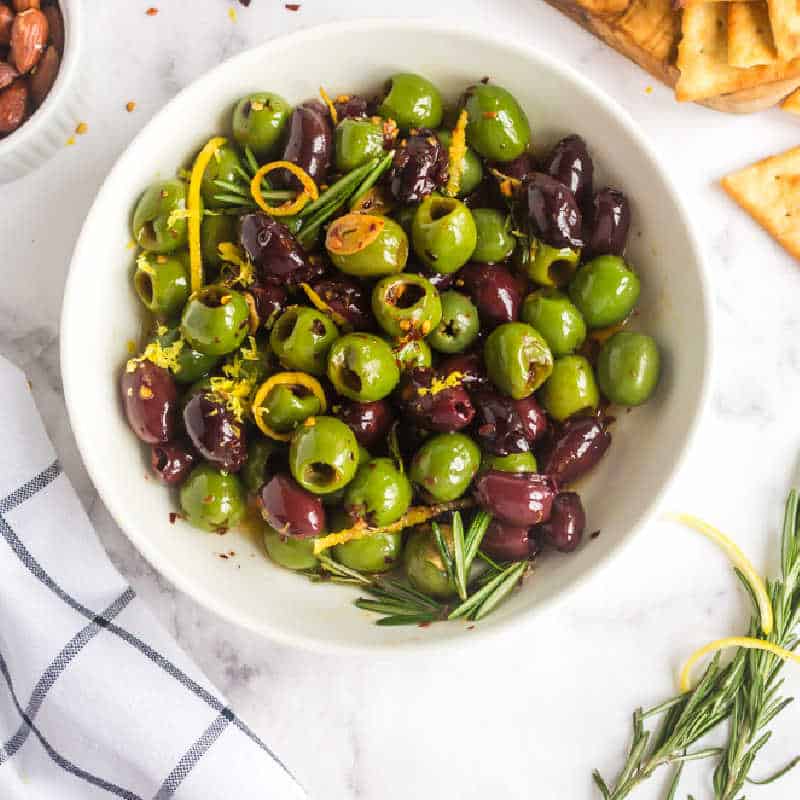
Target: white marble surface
531 715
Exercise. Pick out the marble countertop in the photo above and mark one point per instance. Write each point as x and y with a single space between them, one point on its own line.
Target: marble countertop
547 708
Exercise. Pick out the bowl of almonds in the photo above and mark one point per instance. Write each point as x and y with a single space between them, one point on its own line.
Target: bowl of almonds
39 97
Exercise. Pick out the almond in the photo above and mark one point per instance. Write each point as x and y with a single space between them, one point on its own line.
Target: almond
7 74
56 23
44 76
24 5
13 105
28 39
6 20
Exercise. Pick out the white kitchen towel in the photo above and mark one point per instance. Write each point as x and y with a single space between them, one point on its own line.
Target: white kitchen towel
96 699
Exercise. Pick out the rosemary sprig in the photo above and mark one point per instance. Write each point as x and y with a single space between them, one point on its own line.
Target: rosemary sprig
402 604
746 690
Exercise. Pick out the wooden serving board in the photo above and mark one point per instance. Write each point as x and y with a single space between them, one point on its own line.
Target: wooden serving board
647 32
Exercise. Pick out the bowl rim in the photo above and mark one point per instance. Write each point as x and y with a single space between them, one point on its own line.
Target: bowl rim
71 11
205 596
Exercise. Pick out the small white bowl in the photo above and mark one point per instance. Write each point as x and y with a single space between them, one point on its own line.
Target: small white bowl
101 314
46 132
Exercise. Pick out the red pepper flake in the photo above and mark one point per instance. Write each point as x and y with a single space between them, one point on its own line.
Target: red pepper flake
172 517
470 627
130 106
151 12
223 555
292 6
245 3
423 624
489 114
594 535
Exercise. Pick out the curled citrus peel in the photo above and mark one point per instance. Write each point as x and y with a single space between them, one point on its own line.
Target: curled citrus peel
739 560
331 107
283 379
193 203
456 154
747 642
287 209
322 306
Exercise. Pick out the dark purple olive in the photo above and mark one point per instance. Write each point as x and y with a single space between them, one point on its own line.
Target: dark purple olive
276 254
504 542
150 399
214 431
309 144
352 105
496 292
347 298
269 299
172 461
290 509
564 530
419 167
578 446
609 224
439 280
570 163
370 422
470 365
432 406
505 426
518 498
533 417
553 211
517 168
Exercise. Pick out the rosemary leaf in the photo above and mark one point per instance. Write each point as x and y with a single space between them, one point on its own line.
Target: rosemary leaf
407 619
459 561
502 583
372 179
444 550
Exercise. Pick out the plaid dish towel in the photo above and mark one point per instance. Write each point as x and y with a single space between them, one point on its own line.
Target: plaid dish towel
96 699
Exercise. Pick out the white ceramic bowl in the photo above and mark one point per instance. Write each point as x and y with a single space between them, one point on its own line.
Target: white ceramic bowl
101 314
47 131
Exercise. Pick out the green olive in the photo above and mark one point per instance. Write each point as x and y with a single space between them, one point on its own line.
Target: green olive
377 552
159 220
366 245
323 457
459 326
411 353
518 360
215 230
443 233
380 493
301 339
286 407
211 499
445 465
423 564
545 264
513 462
162 284
362 367
355 142
288 552
628 368
471 169
497 126
495 242
190 365
605 290
556 318
261 453
215 320
224 166
570 389
259 121
406 304
404 216
411 101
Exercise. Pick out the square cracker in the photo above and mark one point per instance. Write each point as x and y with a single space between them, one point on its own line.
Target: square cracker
652 25
750 41
770 192
792 102
703 57
785 18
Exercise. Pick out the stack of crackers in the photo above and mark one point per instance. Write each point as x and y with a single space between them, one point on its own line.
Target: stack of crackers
735 55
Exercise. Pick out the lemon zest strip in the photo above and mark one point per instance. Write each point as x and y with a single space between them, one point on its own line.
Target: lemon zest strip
747 642
195 181
283 378
456 154
331 107
740 561
310 190
322 306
